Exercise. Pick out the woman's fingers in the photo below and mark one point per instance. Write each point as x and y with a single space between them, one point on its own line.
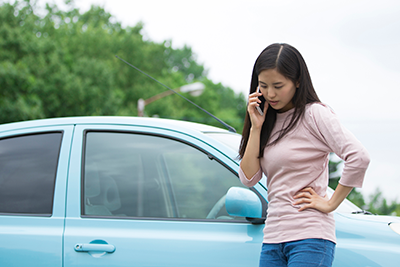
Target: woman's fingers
306 192
301 195
304 196
254 102
307 206
253 98
311 200
302 200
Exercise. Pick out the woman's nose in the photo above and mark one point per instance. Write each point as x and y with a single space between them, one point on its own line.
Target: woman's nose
270 94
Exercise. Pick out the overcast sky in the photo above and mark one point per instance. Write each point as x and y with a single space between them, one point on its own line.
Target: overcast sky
351 48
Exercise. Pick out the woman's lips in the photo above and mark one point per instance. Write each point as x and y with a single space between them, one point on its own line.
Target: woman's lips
273 103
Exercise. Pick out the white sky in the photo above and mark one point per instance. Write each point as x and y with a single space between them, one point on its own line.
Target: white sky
351 48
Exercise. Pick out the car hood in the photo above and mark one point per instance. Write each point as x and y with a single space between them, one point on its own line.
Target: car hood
371 218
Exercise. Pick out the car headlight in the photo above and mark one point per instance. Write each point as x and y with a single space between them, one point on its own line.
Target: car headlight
395 226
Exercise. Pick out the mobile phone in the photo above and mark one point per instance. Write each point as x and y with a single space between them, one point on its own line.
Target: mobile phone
260 108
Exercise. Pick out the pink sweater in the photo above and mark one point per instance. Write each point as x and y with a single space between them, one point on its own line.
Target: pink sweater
300 160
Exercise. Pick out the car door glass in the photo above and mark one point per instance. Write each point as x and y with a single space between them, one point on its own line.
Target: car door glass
199 183
138 175
28 166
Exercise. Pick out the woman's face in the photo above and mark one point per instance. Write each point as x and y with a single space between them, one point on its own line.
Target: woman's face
276 89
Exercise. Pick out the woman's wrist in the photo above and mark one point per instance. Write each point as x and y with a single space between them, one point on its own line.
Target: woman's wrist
331 206
255 130
340 193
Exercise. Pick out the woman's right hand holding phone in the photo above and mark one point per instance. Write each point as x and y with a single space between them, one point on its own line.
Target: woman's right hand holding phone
257 119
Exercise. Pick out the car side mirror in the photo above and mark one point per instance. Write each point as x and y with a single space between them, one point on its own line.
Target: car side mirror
243 202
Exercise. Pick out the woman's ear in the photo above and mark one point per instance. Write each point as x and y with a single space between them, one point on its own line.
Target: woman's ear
297 85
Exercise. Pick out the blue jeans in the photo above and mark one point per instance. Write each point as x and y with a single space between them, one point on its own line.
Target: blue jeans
301 253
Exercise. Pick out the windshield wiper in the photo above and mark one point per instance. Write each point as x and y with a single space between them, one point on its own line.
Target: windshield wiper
362 212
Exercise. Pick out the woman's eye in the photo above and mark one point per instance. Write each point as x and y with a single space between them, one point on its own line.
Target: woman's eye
278 87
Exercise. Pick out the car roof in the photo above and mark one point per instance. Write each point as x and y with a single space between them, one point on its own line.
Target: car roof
116 120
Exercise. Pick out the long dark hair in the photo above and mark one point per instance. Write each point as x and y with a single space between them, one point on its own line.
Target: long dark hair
288 61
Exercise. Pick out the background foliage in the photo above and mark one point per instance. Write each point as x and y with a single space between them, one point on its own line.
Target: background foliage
62 63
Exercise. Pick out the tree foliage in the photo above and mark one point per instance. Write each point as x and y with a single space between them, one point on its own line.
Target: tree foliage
62 63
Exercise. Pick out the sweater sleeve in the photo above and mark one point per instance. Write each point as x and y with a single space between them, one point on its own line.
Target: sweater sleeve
250 182
326 127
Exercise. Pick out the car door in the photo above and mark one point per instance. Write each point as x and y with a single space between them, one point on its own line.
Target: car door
33 173
139 196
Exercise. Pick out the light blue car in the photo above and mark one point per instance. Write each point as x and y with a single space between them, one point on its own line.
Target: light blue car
123 191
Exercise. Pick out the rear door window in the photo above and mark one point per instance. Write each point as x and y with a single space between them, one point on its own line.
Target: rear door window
28 166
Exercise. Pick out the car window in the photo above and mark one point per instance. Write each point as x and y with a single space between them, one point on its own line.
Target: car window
28 166
138 175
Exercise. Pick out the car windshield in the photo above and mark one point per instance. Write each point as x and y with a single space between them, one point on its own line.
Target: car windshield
232 140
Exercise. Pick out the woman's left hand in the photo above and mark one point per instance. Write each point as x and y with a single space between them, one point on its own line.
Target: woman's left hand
311 199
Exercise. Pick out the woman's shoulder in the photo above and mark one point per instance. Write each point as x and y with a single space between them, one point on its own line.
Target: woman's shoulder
318 116
318 110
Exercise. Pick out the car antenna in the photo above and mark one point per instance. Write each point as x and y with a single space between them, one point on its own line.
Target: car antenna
230 128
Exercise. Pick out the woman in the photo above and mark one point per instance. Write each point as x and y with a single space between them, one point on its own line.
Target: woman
290 141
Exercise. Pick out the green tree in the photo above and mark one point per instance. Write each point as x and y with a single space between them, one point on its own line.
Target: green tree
183 60
379 205
17 41
62 63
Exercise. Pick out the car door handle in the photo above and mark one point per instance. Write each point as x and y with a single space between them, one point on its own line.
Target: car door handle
94 248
